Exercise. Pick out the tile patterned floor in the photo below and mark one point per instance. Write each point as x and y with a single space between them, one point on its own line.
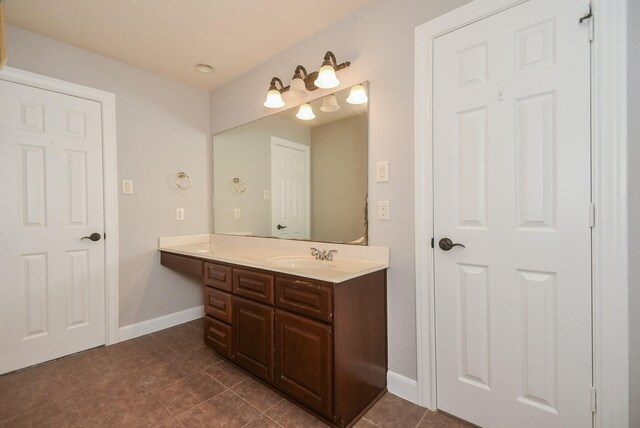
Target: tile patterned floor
168 379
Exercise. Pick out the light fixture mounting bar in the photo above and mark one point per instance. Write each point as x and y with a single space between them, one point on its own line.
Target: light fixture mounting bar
329 58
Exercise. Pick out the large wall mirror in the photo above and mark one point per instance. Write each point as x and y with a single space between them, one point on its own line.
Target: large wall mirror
284 177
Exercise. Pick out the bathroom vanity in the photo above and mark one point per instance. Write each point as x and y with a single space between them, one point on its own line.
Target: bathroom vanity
314 330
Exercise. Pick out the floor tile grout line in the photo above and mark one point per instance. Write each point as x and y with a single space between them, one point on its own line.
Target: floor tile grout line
375 424
422 418
238 395
191 408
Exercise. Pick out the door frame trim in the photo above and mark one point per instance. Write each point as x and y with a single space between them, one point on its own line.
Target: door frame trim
110 179
609 183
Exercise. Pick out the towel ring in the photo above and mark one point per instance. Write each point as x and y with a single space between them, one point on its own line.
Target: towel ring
237 185
183 181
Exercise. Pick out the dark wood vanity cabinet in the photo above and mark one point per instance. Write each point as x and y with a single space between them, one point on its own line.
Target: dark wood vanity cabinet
322 344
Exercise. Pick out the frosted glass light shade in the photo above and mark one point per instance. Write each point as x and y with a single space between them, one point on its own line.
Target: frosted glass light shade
326 78
358 95
274 99
305 112
298 89
329 104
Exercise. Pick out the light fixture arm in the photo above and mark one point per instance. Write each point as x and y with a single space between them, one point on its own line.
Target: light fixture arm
300 70
272 85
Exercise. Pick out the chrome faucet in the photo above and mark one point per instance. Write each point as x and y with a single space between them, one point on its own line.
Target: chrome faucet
323 254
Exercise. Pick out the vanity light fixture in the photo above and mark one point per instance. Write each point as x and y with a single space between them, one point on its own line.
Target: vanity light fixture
329 104
327 75
297 88
305 112
274 96
304 82
358 95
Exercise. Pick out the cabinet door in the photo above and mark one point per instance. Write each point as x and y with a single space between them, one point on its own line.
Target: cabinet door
304 361
253 337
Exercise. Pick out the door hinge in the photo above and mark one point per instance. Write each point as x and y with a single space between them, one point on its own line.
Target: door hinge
592 215
588 16
594 399
432 241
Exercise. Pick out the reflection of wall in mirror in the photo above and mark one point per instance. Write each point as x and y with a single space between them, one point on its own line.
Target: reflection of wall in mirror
241 152
339 179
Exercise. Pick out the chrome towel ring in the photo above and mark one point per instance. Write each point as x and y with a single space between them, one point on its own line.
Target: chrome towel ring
183 181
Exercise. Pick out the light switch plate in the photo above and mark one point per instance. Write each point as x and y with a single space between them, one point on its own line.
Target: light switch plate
179 213
266 195
236 213
127 187
382 172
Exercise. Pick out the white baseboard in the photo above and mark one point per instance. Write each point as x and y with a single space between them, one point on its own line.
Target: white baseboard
402 386
149 326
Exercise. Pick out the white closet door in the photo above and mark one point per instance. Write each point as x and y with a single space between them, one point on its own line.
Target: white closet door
52 288
290 189
512 183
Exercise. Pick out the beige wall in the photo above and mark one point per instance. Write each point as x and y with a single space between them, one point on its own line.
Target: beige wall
339 179
634 209
245 152
162 128
378 40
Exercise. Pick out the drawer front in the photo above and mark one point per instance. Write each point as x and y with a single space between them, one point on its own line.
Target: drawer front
305 298
218 335
217 304
253 285
218 276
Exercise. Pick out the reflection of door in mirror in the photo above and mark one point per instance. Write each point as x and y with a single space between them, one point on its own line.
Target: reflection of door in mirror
289 189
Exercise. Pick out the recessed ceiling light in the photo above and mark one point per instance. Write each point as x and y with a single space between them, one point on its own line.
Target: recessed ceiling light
205 68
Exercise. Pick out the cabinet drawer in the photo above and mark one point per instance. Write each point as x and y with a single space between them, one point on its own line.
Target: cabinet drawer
218 276
218 335
253 285
305 298
217 304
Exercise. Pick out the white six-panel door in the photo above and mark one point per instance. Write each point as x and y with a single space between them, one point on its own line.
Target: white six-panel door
512 183
52 295
290 184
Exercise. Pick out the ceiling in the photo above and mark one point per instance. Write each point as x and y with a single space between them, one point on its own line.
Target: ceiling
170 37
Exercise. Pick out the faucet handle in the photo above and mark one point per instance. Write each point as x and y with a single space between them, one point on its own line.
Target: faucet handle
315 252
329 254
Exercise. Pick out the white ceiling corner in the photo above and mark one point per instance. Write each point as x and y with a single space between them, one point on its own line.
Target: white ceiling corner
170 37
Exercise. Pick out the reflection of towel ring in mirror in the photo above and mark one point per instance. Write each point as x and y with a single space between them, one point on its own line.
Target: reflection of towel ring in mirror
183 181
237 186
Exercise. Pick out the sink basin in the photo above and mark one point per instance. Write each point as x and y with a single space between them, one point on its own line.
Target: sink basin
300 262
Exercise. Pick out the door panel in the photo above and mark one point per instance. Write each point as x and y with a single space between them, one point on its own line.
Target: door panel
253 337
52 295
304 361
512 183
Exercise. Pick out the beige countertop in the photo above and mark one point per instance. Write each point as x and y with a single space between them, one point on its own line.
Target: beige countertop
284 256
